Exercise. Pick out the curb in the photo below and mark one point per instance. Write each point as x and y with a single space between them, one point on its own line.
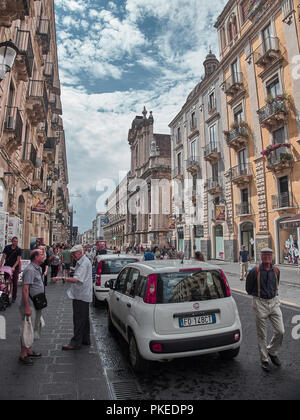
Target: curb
283 302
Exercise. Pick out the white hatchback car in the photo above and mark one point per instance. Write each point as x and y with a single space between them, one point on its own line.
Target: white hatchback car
167 310
109 266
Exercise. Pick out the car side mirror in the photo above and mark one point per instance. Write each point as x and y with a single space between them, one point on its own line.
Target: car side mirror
109 284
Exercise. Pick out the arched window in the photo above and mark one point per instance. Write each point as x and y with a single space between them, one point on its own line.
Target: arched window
223 38
230 33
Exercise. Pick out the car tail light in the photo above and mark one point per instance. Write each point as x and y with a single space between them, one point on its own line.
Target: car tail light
98 276
138 260
151 292
228 292
237 337
157 348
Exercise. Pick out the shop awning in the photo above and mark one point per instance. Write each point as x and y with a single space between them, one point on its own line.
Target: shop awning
292 222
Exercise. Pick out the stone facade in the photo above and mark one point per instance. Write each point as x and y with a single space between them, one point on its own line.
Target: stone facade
33 163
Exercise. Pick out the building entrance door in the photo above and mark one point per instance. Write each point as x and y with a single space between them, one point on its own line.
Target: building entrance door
219 242
247 238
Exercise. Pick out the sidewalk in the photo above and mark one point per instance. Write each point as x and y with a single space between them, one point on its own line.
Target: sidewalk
289 291
57 375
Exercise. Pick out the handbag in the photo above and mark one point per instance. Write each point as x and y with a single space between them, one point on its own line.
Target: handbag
39 301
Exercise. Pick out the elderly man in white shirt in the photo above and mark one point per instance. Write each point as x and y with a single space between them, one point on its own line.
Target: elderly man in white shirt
81 294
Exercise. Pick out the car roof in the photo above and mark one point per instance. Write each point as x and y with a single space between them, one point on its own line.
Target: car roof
168 266
117 257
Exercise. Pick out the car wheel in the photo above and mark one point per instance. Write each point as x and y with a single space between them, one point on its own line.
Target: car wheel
229 354
138 363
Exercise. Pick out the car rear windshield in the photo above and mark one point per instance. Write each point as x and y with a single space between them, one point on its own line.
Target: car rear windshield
115 266
191 286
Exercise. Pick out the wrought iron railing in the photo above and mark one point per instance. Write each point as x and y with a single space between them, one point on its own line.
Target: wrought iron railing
213 183
210 148
13 122
271 43
237 133
235 80
273 108
24 44
243 208
243 169
279 156
282 200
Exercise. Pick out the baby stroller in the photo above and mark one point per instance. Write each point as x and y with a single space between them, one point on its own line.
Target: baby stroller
5 287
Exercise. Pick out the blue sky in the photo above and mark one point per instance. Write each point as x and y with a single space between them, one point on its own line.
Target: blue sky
114 58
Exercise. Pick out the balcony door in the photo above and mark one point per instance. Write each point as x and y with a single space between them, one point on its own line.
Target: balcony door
235 72
194 150
242 157
215 172
283 192
267 38
213 137
245 201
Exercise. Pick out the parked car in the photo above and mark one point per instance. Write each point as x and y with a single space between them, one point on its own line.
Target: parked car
108 268
168 309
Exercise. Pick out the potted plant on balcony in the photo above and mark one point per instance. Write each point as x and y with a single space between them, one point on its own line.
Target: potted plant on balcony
286 157
234 125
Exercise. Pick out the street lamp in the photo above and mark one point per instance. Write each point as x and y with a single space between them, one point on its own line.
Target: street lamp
8 53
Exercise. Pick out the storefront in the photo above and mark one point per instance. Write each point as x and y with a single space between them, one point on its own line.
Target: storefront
288 240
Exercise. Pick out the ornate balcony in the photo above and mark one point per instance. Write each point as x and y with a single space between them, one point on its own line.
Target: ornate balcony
12 129
25 58
212 107
238 137
268 52
37 102
211 152
44 35
274 114
49 152
280 160
281 201
55 103
241 174
193 164
48 72
29 159
57 123
11 10
234 84
214 186
243 209
42 131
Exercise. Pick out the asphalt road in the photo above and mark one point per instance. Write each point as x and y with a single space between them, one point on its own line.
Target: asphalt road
205 377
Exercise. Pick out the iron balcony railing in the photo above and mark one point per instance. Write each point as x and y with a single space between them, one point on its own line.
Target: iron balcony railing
237 133
235 81
193 161
24 44
50 143
211 148
37 89
48 71
176 172
282 200
243 209
271 43
241 170
278 156
13 122
270 110
213 183
43 29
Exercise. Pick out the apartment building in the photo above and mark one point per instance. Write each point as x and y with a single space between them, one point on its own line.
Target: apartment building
33 164
246 115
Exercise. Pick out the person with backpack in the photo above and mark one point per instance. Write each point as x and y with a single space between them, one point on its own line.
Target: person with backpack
263 284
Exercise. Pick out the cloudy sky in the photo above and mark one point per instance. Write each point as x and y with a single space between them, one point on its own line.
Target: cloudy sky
114 58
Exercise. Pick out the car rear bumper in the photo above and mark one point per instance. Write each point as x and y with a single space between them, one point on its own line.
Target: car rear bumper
184 345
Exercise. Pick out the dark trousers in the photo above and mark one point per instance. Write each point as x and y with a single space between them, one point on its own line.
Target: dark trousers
54 270
81 321
14 281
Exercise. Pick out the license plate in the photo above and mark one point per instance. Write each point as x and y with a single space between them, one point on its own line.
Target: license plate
197 320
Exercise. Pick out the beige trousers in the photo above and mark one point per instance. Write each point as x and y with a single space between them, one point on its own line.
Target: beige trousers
268 309
243 270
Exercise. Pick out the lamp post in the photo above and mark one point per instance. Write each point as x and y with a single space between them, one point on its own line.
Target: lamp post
8 53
